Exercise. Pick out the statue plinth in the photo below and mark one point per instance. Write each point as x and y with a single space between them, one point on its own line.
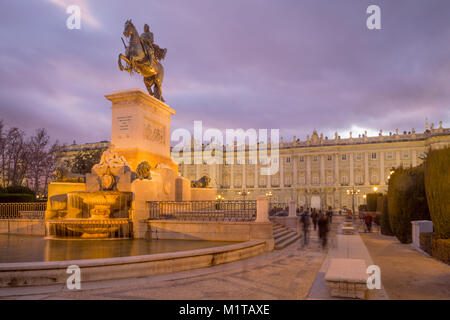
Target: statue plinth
141 128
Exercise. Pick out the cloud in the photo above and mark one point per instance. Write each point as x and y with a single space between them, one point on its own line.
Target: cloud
292 65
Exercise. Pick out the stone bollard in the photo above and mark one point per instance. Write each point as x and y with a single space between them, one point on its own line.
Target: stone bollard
262 209
418 227
292 208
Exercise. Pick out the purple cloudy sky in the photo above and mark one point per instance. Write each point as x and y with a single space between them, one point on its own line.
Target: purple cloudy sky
289 64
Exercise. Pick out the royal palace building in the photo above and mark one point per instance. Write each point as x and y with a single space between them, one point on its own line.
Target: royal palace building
318 172
322 172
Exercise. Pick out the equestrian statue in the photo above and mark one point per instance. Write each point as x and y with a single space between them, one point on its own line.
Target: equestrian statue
143 56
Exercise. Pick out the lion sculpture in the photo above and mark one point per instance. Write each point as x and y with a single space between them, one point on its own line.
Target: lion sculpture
203 182
143 171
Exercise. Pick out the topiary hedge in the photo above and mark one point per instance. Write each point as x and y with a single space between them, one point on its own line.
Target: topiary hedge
17 197
437 186
406 201
425 241
372 201
440 249
385 224
17 190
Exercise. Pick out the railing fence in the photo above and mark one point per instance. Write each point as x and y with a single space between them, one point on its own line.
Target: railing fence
215 210
23 210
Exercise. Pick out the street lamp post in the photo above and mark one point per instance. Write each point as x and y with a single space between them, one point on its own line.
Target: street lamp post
353 191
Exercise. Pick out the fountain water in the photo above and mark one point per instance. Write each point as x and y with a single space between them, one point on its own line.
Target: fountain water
103 211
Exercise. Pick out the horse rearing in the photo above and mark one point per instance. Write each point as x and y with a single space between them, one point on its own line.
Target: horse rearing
137 61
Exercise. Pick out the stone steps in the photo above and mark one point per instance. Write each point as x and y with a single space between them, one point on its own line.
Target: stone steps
280 234
283 236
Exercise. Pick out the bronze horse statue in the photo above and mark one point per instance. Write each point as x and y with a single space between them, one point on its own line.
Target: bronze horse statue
138 60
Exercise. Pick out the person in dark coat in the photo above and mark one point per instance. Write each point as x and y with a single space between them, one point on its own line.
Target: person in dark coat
306 221
323 230
315 218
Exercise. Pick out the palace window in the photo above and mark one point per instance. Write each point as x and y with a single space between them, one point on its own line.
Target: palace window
330 179
330 158
374 155
344 157
389 155
406 154
358 156
315 158
315 179
302 159
344 180
288 160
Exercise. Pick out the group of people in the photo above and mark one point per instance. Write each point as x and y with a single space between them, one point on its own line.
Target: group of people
320 220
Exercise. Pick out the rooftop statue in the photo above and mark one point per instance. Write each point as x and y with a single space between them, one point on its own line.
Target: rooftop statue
143 56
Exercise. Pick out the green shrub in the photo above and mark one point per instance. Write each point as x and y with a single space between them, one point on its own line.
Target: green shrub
437 186
17 197
385 224
425 241
406 201
372 199
440 249
18 190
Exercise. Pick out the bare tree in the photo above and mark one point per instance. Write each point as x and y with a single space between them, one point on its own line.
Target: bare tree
16 157
24 162
37 160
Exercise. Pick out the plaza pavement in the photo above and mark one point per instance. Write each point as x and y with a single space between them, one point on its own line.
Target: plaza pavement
295 272
406 272
280 274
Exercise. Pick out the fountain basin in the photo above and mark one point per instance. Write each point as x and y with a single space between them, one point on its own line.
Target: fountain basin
89 228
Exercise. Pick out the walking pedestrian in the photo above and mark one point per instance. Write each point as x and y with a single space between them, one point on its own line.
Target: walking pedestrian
306 222
368 220
315 218
323 230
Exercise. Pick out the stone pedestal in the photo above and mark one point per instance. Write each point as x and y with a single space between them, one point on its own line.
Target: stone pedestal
418 227
140 128
262 209
292 208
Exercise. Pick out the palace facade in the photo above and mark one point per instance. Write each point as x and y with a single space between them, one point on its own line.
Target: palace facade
321 172
318 172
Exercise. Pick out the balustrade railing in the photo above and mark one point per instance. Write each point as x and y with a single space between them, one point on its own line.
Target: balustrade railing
214 210
23 210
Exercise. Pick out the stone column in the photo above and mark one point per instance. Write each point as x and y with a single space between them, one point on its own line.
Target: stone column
295 182
352 173
282 159
336 168
292 208
397 158
322 170
232 176
414 157
366 168
256 175
262 209
308 170
244 173
382 172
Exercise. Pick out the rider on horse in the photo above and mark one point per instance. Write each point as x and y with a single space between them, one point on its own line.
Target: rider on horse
153 51
147 43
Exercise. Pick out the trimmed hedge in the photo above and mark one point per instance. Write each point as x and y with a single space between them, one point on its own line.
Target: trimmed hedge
440 249
17 197
406 201
437 186
425 241
385 224
17 190
372 201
